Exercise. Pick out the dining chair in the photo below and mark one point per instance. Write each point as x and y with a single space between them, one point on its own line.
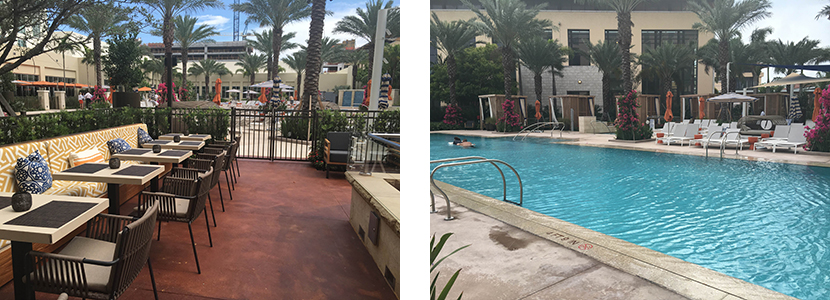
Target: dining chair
103 263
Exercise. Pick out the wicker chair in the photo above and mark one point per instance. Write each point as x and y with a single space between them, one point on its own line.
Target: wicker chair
233 152
195 167
182 208
102 264
219 165
228 162
337 149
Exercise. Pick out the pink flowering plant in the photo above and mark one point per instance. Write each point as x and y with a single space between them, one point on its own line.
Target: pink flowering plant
98 94
818 137
452 116
162 92
510 121
628 122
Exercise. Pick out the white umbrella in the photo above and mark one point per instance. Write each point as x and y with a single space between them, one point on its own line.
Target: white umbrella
731 97
233 91
250 92
270 84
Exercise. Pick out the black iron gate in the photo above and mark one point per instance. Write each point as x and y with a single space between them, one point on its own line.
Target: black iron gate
275 134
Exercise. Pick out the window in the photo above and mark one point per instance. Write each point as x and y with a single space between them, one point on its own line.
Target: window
578 40
547 34
611 35
686 81
433 54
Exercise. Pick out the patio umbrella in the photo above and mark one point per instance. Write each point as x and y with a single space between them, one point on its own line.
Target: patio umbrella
21 82
275 91
218 97
730 98
795 109
538 110
270 84
262 97
234 91
44 83
383 99
109 98
702 107
145 89
816 103
794 78
250 92
668 116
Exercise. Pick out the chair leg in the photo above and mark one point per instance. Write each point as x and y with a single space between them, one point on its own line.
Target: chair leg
233 176
193 243
235 173
211 211
221 199
327 170
152 279
233 186
228 184
208 228
158 238
237 168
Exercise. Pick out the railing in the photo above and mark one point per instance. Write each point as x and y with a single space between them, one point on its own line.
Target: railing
478 160
383 149
530 128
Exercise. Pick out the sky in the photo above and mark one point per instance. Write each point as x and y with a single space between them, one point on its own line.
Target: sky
222 19
793 20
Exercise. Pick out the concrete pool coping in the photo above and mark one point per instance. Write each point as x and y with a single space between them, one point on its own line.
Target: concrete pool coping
807 158
682 277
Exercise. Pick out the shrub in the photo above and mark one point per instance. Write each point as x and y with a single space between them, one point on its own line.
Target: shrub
510 121
818 138
452 116
435 126
628 122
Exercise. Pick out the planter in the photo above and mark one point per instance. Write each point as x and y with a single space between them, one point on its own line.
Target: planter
490 127
126 99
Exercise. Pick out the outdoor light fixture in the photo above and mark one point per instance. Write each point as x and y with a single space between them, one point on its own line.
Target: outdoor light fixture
579 81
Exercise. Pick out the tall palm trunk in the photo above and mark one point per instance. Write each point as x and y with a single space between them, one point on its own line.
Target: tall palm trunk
723 57
184 66
354 76
297 90
276 41
537 85
665 87
313 60
269 64
253 80
552 82
509 68
167 27
609 108
207 85
451 69
96 54
624 28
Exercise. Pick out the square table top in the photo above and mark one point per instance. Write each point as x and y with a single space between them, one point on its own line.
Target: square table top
169 144
47 235
191 137
108 175
166 156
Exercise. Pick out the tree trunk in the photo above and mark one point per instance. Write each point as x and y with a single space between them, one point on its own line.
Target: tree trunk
609 107
509 68
270 62
354 76
624 29
297 94
451 74
537 81
723 57
552 82
253 80
184 66
207 86
313 61
276 42
96 54
167 29
371 48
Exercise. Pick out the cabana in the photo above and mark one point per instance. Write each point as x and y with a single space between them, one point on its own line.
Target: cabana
494 103
649 106
710 109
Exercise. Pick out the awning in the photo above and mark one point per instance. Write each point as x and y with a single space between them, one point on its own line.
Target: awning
44 83
21 82
731 97
794 78
822 68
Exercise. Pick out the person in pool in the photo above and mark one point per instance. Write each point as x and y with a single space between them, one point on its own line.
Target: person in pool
456 141
467 144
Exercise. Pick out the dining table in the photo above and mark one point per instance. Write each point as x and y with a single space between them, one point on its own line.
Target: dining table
170 144
114 178
185 137
50 218
174 157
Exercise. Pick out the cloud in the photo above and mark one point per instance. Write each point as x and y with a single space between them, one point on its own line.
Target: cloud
213 20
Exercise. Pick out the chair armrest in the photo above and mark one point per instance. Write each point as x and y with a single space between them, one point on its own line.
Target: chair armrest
190 173
180 186
167 203
49 268
105 227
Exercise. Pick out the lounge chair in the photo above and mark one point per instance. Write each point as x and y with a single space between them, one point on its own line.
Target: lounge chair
666 131
713 132
794 140
780 133
676 130
732 137
687 136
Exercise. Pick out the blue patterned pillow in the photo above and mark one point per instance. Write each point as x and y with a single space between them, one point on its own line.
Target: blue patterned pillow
143 137
118 145
32 174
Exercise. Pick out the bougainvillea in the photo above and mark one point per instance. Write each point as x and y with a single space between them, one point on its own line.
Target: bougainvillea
511 119
99 94
818 137
162 92
628 122
453 115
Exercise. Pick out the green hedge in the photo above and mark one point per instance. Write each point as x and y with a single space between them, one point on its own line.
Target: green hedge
338 121
213 121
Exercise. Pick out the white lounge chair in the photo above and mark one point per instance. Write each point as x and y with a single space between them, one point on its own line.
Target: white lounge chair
676 130
794 140
713 133
687 136
666 131
732 137
781 132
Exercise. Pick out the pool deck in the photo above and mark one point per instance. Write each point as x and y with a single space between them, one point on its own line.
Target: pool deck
821 159
516 253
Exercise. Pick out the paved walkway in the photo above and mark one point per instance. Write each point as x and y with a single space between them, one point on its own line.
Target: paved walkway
285 235
504 262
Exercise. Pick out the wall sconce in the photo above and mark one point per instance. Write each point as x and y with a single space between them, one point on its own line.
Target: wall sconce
579 81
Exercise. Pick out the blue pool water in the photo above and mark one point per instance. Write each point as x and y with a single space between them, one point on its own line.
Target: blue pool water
766 223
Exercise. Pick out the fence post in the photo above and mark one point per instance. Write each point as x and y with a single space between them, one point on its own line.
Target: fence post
170 118
233 124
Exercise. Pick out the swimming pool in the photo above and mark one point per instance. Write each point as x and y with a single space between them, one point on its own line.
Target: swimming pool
766 223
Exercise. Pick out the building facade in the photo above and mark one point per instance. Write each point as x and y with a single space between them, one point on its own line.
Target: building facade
654 23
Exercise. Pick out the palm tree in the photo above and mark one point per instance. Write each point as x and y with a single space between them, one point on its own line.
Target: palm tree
725 19
757 51
624 24
168 9
451 37
559 55
297 62
187 34
153 67
315 49
505 21
99 26
665 61
801 53
533 54
365 23
355 58
262 43
250 64
824 13
606 57
276 14
209 67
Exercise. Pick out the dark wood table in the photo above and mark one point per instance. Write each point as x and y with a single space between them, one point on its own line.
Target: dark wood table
63 214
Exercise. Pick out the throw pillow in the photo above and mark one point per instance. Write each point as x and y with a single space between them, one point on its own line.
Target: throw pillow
32 174
118 145
143 136
86 156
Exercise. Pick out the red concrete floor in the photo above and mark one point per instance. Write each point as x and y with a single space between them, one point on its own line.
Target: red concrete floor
286 235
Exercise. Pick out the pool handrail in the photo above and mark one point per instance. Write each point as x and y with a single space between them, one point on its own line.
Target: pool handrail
492 161
503 180
535 126
709 141
723 142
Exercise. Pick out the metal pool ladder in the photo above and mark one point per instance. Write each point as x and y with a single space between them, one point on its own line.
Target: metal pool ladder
530 128
471 160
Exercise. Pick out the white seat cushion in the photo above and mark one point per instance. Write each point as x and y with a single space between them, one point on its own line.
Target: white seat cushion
97 277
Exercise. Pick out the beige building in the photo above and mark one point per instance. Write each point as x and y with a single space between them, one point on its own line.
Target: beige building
654 23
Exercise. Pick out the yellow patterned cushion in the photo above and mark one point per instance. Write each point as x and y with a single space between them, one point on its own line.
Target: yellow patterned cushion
86 156
8 158
77 188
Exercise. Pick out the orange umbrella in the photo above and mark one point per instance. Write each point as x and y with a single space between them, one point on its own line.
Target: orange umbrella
145 89
109 98
44 83
262 97
668 116
218 98
538 110
702 107
21 82
816 103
